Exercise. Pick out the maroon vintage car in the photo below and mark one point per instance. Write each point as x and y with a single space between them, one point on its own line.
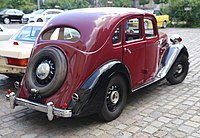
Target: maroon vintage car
88 61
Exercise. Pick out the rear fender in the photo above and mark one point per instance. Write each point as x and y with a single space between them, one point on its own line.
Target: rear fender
169 58
92 92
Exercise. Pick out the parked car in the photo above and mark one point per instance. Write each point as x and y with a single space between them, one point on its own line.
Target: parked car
5 33
42 15
14 54
162 19
95 70
10 15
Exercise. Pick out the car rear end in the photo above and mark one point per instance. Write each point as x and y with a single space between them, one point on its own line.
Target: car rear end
14 54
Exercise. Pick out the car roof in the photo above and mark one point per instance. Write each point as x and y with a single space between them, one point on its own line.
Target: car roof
95 22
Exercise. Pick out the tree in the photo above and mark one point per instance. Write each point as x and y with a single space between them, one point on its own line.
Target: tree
67 4
160 1
143 2
25 5
185 11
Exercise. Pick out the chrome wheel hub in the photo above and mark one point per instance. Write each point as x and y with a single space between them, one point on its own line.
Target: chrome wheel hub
179 69
114 97
42 71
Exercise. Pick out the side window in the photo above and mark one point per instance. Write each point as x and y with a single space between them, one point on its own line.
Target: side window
62 33
149 28
117 35
132 29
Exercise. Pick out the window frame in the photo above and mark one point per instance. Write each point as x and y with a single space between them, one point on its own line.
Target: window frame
120 42
154 25
64 40
141 37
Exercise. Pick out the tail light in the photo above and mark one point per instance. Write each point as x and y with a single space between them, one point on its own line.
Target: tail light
18 62
15 43
176 38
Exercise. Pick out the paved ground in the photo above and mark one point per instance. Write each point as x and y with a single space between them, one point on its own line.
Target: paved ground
160 110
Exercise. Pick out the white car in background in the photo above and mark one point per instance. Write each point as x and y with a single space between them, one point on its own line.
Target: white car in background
42 15
5 33
14 54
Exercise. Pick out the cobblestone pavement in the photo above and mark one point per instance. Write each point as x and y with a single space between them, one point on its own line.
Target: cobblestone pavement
160 110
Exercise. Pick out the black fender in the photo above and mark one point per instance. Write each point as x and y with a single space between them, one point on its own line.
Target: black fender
169 58
92 92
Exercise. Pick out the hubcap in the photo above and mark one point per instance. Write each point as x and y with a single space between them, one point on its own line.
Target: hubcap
179 69
43 71
7 21
164 24
112 98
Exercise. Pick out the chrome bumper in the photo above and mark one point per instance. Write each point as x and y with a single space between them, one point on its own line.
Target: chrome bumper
49 108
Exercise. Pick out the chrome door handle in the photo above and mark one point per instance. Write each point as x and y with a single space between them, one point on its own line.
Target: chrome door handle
129 51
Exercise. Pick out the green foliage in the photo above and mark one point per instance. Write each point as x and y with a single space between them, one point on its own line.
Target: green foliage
143 2
66 4
122 3
160 1
185 11
25 5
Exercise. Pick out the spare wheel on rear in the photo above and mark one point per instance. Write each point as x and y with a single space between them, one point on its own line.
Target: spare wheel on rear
46 71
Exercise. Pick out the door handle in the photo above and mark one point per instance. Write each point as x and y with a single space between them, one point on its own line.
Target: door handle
129 51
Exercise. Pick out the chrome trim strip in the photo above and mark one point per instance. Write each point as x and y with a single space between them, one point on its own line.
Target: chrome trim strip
49 108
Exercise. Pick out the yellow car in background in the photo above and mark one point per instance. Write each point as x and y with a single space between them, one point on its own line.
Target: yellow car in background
162 19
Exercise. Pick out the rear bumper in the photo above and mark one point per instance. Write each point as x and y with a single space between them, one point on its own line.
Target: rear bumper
49 108
9 69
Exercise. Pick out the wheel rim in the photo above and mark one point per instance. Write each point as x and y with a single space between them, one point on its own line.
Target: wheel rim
179 70
164 25
112 98
45 71
6 21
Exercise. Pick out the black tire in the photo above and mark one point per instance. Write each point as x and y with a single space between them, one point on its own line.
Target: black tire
56 62
39 20
6 20
179 70
113 108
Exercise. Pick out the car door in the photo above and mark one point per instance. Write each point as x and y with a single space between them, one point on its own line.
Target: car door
134 49
10 14
18 15
151 54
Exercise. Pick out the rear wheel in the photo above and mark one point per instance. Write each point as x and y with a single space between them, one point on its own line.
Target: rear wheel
179 70
115 98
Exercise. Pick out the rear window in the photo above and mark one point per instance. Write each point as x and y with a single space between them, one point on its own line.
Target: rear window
62 33
28 33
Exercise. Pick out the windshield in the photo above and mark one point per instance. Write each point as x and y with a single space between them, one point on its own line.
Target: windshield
28 33
38 11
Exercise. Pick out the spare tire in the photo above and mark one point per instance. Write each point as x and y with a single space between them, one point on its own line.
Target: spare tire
46 71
